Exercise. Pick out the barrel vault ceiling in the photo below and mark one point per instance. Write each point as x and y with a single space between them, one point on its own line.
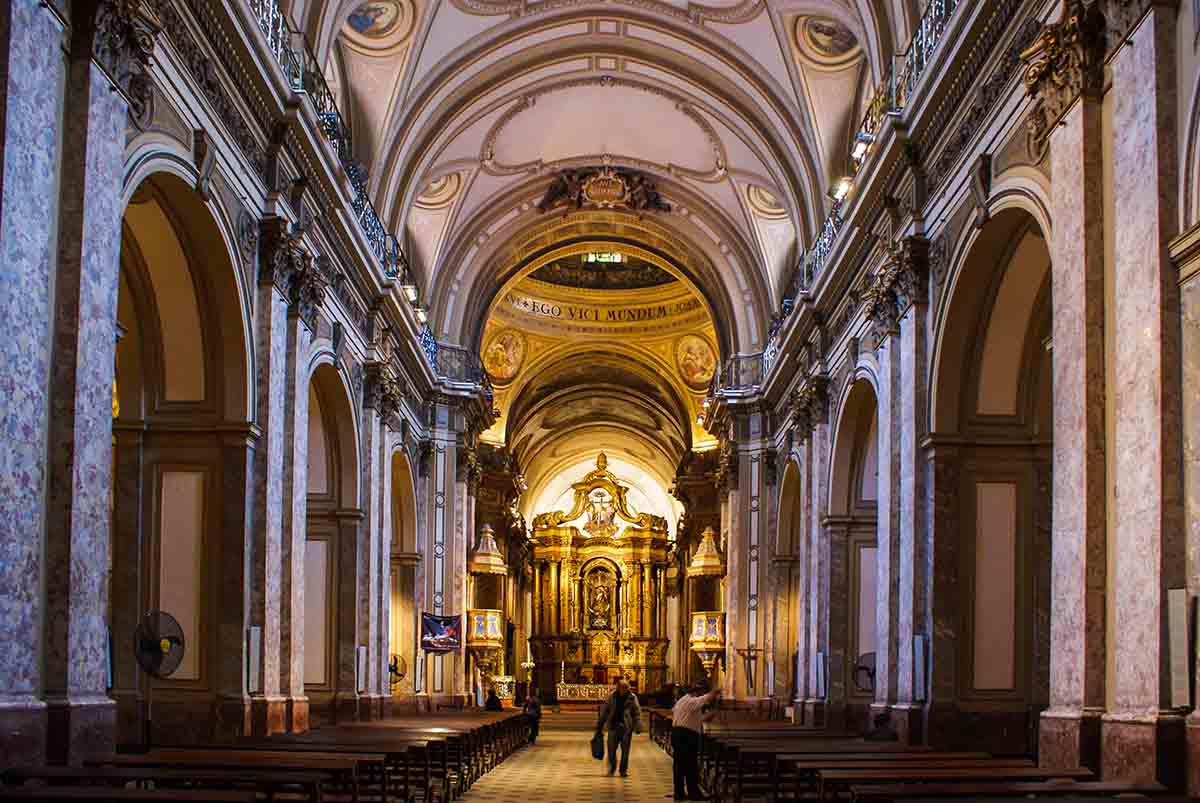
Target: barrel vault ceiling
739 111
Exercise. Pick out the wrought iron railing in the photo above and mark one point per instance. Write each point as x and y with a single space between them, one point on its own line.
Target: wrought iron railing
814 260
305 76
921 48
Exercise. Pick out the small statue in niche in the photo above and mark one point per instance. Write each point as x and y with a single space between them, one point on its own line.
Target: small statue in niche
599 600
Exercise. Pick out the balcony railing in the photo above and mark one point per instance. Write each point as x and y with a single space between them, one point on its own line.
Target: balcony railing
457 364
305 76
741 372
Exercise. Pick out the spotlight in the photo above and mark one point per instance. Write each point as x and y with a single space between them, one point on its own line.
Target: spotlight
422 315
841 189
409 289
862 143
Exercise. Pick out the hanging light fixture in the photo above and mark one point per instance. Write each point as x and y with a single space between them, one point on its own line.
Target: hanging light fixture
841 189
862 143
421 313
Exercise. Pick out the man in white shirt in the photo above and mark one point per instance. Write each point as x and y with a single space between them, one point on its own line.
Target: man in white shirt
687 721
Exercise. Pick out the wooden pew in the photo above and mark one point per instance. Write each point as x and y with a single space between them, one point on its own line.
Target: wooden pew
37 793
1076 790
268 783
834 783
344 769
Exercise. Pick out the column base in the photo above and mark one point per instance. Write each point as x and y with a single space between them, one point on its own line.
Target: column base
23 732
811 713
79 726
385 706
1069 738
233 718
909 721
268 715
998 731
296 716
1192 738
346 707
1144 749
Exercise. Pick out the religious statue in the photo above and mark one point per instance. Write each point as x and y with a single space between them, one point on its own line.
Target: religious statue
599 600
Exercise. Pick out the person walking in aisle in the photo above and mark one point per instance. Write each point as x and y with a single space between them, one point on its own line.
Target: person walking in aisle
687 723
622 716
533 710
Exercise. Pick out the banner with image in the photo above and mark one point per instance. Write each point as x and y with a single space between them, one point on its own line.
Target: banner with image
441 633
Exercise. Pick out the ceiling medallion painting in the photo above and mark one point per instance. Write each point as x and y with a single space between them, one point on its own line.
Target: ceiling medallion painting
826 41
732 12
504 355
600 510
380 24
603 188
696 360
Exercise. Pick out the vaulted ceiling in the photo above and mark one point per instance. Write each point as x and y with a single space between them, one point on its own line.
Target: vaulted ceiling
739 111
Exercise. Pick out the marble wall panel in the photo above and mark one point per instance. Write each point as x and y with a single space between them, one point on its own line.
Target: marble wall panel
888 527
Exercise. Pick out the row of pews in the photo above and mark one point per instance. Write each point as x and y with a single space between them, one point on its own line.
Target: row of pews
434 757
747 759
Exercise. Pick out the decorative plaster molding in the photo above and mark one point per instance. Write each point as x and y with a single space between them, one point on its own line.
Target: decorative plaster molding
696 13
124 45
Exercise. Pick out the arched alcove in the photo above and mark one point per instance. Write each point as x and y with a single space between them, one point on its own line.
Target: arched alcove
179 389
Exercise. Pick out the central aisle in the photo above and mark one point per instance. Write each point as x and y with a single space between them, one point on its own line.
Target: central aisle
560 767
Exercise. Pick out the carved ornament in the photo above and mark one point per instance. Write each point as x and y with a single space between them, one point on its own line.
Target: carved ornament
1065 62
124 45
307 290
605 187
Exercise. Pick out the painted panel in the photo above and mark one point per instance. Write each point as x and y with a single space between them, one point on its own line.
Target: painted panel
181 554
316 611
866 600
995 585
318 456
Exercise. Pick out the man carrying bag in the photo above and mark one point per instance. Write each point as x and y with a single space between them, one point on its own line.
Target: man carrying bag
622 716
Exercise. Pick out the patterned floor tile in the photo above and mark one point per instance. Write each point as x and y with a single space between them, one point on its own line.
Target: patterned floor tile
560 768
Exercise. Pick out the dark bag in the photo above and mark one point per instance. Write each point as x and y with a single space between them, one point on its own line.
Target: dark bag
598 745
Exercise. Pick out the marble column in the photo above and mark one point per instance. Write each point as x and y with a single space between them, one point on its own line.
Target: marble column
81 717
1067 119
376 407
294 533
352 554
238 538
1186 250
887 619
822 566
128 565
33 94
840 653
273 328
747 501
1142 737
943 491
911 406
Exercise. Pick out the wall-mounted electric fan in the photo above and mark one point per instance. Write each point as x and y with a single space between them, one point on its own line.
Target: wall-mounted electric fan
158 646
397 670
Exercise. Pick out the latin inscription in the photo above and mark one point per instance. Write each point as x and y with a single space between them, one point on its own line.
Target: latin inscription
568 312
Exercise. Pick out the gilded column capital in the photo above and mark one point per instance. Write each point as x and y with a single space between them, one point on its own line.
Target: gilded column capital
123 46
810 404
879 303
911 274
727 466
1065 62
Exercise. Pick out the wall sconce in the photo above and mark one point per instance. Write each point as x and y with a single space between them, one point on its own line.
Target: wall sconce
421 313
841 189
862 143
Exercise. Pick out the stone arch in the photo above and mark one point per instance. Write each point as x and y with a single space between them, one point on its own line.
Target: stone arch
856 424
991 397
405 575
180 390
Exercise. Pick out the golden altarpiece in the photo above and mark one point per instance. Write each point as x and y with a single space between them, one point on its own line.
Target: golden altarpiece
599 607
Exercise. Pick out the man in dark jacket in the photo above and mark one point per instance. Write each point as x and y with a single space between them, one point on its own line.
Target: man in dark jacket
533 710
622 716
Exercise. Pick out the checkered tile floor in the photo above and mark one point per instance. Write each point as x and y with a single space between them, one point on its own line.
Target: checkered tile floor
560 769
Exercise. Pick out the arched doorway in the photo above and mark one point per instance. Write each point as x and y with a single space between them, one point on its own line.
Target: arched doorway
405 586
789 584
990 464
332 561
854 565
180 402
